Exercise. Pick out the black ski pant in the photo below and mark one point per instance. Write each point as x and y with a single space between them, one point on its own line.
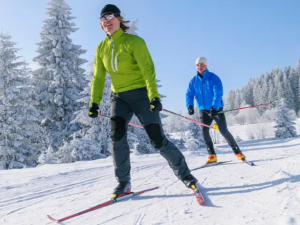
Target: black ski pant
123 106
221 121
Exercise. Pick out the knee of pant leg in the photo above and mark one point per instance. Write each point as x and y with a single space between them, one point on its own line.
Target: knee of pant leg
155 135
223 130
118 128
205 130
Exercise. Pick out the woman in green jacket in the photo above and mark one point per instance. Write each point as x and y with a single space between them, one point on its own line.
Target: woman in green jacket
127 59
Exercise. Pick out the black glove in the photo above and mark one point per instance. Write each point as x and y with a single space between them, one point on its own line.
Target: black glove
213 112
155 105
191 110
93 112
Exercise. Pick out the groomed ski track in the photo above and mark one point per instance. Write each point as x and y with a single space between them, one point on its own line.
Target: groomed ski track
235 193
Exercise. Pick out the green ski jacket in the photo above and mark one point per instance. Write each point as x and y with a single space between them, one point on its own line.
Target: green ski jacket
127 59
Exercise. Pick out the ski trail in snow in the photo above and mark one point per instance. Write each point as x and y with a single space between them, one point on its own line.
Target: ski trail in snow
131 211
155 173
168 206
140 217
21 208
46 192
64 188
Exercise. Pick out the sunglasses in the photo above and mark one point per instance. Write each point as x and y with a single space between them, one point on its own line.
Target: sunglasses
107 17
200 64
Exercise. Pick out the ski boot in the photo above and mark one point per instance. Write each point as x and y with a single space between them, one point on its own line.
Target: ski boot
241 156
211 159
122 189
191 182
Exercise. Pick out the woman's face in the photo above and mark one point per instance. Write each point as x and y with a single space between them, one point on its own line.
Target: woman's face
110 23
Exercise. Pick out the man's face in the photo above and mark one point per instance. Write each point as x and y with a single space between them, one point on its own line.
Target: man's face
201 67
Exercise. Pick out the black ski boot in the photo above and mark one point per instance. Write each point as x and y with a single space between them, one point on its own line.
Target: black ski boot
123 188
190 181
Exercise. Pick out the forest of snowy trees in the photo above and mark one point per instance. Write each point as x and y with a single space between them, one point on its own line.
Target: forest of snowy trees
269 87
43 113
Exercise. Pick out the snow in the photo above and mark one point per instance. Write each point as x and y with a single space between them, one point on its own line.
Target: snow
235 193
244 130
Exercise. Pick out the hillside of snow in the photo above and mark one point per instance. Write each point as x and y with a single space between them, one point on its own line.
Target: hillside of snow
235 193
257 130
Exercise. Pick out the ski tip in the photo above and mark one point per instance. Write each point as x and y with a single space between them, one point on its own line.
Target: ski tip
200 199
51 218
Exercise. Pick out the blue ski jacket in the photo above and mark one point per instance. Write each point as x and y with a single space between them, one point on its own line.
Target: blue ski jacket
208 91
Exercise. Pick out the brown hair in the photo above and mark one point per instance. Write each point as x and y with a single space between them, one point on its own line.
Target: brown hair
123 24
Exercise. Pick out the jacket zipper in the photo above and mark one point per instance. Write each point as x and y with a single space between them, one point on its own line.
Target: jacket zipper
203 85
112 56
116 62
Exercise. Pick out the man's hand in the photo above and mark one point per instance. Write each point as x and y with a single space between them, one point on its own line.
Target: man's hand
213 112
191 110
93 111
155 105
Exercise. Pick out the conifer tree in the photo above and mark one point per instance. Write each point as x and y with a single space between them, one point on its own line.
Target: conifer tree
60 78
21 138
284 121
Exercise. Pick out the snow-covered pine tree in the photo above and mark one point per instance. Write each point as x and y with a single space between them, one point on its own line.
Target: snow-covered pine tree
162 116
248 116
287 92
272 91
60 79
294 81
264 90
168 123
257 91
284 127
237 100
278 85
133 27
143 142
21 138
230 103
247 91
92 141
297 86
195 129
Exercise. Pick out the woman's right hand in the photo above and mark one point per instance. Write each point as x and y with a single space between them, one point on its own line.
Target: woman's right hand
93 111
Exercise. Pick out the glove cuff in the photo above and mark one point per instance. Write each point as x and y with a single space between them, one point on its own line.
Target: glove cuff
94 105
155 99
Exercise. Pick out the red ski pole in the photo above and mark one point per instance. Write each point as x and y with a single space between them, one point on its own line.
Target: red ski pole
252 106
132 124
195 121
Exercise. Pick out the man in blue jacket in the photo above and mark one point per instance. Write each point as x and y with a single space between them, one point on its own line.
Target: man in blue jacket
207 88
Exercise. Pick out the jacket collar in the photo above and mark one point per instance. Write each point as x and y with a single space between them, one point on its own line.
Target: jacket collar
116 35
206 74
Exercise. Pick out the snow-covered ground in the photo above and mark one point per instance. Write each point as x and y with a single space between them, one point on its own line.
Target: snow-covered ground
235 193
257 130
